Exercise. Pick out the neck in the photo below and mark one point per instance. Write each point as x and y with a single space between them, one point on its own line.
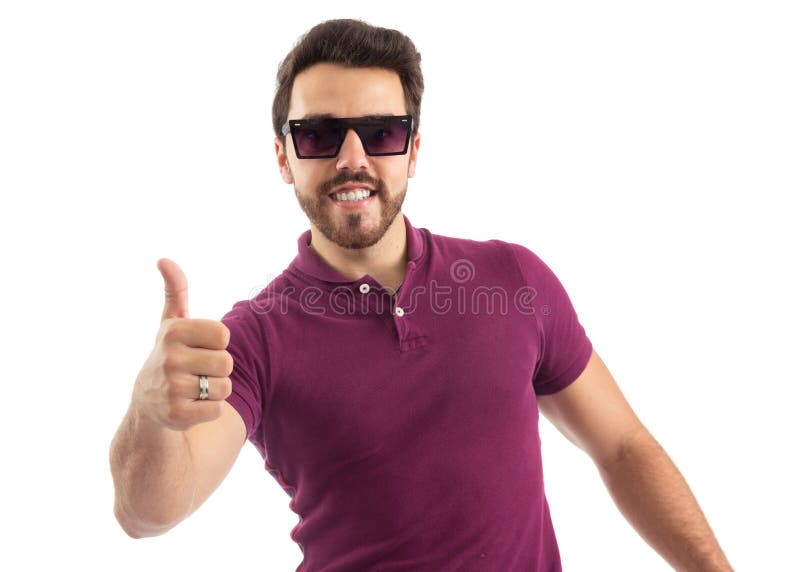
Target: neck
385 260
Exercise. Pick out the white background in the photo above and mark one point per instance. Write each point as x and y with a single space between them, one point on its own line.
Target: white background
647 151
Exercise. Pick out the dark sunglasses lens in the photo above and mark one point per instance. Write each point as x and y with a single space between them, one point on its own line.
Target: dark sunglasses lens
384 136
317 139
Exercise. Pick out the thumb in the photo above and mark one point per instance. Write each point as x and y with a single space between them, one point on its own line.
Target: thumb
176 290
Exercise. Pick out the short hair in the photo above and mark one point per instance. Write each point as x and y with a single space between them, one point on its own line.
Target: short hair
351 43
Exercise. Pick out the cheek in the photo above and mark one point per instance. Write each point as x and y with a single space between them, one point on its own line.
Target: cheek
397 176
307 179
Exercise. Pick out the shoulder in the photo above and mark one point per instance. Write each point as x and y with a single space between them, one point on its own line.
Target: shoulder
534 270
526 259
460 246
516 253
490 261
505 257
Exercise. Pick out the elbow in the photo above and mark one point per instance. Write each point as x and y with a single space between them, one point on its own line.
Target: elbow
633 446
130 531
127 524
136 528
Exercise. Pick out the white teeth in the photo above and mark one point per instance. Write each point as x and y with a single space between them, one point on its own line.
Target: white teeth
352 195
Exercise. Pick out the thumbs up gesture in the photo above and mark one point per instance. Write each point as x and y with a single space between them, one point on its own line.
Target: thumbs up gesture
167 389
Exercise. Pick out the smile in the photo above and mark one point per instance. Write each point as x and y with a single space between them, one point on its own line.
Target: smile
356 195
353 200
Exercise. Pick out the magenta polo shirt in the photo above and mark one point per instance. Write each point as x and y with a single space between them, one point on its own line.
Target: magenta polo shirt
405 429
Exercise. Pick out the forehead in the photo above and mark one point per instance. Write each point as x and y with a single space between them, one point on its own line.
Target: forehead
346 92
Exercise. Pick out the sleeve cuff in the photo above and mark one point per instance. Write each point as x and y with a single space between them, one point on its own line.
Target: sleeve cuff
569 375
244 410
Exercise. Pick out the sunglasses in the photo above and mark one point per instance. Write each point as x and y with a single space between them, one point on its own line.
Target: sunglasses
322 138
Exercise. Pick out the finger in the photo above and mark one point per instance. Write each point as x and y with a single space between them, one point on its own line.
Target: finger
219 388
203 411
198 333
187 388
200 361
176 290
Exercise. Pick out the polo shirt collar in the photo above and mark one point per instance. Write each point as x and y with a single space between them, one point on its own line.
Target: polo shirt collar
308 262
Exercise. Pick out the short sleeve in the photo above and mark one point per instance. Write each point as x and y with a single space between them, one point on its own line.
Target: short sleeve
248 349
564 347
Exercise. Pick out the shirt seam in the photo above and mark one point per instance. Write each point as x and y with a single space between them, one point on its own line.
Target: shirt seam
538 322
267 373
524 283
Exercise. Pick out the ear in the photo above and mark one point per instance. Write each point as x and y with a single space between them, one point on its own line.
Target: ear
283 161
412 162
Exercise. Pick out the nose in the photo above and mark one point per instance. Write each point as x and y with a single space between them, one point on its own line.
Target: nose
352 155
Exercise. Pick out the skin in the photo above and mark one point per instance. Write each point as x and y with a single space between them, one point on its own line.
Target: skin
373 240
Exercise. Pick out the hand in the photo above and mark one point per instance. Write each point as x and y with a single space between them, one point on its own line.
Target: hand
167 389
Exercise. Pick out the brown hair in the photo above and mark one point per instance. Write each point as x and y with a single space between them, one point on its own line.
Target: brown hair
351 43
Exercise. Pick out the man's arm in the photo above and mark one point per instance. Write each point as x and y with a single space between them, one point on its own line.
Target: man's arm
174 447
161 476
644 483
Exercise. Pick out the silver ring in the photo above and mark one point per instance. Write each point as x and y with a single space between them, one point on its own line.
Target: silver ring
203 386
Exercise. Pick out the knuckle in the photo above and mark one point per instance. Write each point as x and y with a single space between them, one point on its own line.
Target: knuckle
172 361
215 409
224 335
176 413
173 389
162 365
172 329
228 363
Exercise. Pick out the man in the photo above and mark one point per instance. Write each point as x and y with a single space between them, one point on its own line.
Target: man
390 377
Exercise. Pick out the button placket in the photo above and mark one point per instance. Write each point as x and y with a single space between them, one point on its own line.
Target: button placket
367 301
398 310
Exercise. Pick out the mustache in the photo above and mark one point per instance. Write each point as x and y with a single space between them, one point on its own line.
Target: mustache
348 177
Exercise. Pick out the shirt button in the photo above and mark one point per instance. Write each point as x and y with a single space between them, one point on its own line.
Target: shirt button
364 288
399 311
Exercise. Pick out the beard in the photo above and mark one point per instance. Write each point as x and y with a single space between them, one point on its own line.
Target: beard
351 229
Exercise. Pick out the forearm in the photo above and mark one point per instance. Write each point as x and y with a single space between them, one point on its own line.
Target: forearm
153 480
655 499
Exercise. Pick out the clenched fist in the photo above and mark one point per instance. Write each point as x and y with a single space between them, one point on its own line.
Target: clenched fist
167 389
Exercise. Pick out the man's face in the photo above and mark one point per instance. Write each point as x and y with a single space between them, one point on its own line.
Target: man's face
348 92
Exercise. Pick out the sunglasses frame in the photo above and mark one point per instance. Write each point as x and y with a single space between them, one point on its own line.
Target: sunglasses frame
347 123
